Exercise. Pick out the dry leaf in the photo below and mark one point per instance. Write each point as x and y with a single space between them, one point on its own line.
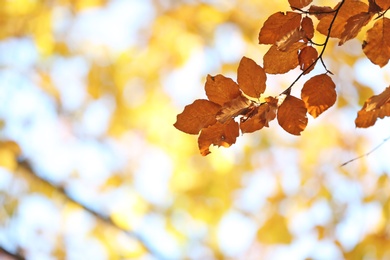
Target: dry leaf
262 115
347 10
218 134
299 3
292 115
375 107
277 26
384 4
321 11
220 89
279 62
251 78
354 25
319 94
196 116
377 43
306 58
307 27
233 108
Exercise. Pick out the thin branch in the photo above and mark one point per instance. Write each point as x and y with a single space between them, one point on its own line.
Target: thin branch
366 154
336 11
105 219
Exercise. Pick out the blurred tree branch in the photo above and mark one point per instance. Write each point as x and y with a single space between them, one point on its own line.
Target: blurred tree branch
25 165
8 255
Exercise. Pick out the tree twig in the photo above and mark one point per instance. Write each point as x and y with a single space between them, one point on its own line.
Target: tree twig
336 11
105 219
366 154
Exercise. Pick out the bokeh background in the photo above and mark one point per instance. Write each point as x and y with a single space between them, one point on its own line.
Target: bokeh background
91 166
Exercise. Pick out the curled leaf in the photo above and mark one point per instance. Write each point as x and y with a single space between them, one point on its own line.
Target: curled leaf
375 107
292 115
347 10
233 108
220 89
218 134
201 113
260 117
354 25
319 94
377 43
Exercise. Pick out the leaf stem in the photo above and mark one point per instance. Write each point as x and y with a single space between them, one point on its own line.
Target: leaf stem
336 11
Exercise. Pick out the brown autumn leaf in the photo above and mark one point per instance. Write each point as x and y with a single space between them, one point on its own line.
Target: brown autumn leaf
201 113
277 26
292 115
238 106
373 7
354 25
262 115
289 39
384 4
347 10
375 107
306 58
319 94
321 11
251 78
279 62
377 43
307 27
299 3
220 89
218 134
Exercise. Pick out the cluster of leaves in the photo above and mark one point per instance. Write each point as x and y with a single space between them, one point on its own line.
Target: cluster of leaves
233 107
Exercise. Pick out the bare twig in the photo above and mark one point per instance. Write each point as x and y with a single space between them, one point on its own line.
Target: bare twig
366 154
105 219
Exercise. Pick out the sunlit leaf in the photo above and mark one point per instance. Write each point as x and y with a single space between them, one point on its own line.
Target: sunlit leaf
306 58
354 25
219 135
377 43
262 115
299 3
375 107
279 62
307 27
319 94
251 78
233 108
278 25
201 113
220 89
292 115
347 10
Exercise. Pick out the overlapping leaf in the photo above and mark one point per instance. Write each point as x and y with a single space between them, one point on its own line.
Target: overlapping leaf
319 94
218 134
307 27
377 43
196 116
306 58
220 89
251 78
292 115
375 107
354 25
384 4
262 116
279 62
278 25
238 106
349 9
299 3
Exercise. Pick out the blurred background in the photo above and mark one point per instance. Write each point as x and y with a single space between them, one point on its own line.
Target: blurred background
91 166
